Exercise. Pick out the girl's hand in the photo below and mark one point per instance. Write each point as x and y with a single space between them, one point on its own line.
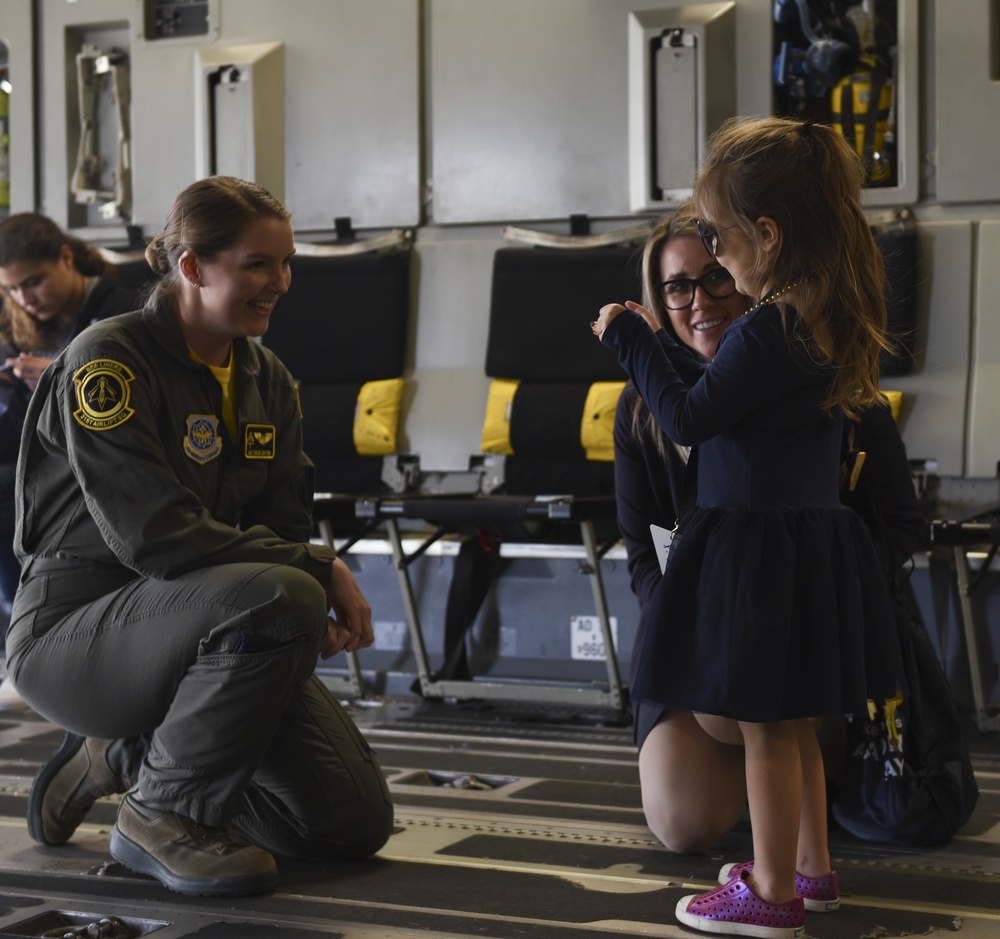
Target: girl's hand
608 312
611 310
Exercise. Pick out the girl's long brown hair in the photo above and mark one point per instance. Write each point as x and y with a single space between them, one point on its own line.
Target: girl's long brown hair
808 179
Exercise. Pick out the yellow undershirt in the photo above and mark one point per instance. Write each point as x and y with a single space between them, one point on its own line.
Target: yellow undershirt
226 376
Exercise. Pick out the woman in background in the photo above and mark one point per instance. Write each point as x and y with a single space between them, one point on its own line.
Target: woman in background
52 286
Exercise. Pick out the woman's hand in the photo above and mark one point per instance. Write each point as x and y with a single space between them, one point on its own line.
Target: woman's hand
350 627
611 310
29 367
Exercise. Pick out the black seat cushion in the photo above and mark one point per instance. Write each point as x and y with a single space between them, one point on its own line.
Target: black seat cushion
344 319
543 301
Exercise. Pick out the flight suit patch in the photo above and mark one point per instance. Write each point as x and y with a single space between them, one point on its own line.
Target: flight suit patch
102 393
202 442
258 442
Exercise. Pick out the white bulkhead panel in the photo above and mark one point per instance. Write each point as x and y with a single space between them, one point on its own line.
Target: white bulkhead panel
531 120
984 375
351 103
967 94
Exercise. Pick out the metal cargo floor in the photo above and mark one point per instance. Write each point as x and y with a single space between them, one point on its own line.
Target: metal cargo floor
510 822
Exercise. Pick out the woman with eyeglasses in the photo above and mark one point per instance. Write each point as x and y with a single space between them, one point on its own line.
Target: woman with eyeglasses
692 296
693 785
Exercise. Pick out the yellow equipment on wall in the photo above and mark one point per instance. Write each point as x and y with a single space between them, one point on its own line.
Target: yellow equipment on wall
4 146
862 111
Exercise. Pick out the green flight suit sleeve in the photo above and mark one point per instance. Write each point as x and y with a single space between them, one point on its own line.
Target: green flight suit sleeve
107 406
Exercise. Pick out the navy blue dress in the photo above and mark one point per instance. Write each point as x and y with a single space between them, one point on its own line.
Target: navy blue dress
773 605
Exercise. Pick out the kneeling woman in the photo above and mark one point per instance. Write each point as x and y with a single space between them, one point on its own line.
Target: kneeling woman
172 606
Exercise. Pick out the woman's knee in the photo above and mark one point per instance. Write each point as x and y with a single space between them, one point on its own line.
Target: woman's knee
358 833
681 830
285 598
693 788
367 826
372 828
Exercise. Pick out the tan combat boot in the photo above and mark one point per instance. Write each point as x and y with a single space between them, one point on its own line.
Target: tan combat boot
67 786
189 857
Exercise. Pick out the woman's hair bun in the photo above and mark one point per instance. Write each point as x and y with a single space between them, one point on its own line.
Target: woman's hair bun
156 256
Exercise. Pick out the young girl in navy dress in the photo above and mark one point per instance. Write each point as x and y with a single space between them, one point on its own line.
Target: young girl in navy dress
772 610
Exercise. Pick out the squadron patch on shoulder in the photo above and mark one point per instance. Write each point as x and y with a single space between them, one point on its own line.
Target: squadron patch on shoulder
102 393
258 442
202 442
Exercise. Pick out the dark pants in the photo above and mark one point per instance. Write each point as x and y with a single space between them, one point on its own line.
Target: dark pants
10 567
207 680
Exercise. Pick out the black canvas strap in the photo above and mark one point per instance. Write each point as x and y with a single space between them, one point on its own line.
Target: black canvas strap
475 571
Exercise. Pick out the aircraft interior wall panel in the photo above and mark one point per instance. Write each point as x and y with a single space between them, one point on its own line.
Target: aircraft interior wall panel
530 118
967 95
933 415
18 56
164 136
352 105
984 415
346 64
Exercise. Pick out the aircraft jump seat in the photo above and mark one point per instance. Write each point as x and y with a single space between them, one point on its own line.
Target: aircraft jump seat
545 474
341 330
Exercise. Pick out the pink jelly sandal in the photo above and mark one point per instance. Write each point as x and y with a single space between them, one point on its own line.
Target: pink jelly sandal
735 910
819 894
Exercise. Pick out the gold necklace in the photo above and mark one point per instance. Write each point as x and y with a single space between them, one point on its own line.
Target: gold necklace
770 298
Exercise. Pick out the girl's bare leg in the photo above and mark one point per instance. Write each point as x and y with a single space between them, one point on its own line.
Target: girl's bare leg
813 853
774 770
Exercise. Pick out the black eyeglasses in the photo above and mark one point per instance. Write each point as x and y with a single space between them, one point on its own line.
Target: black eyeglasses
678 294
710 236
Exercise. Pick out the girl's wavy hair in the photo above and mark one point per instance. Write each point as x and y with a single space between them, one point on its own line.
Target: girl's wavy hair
808 179
207 217
32 238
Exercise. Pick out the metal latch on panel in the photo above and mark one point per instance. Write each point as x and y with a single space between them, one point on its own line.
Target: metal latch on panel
682 87
240 113
103 171
676 123
223 75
